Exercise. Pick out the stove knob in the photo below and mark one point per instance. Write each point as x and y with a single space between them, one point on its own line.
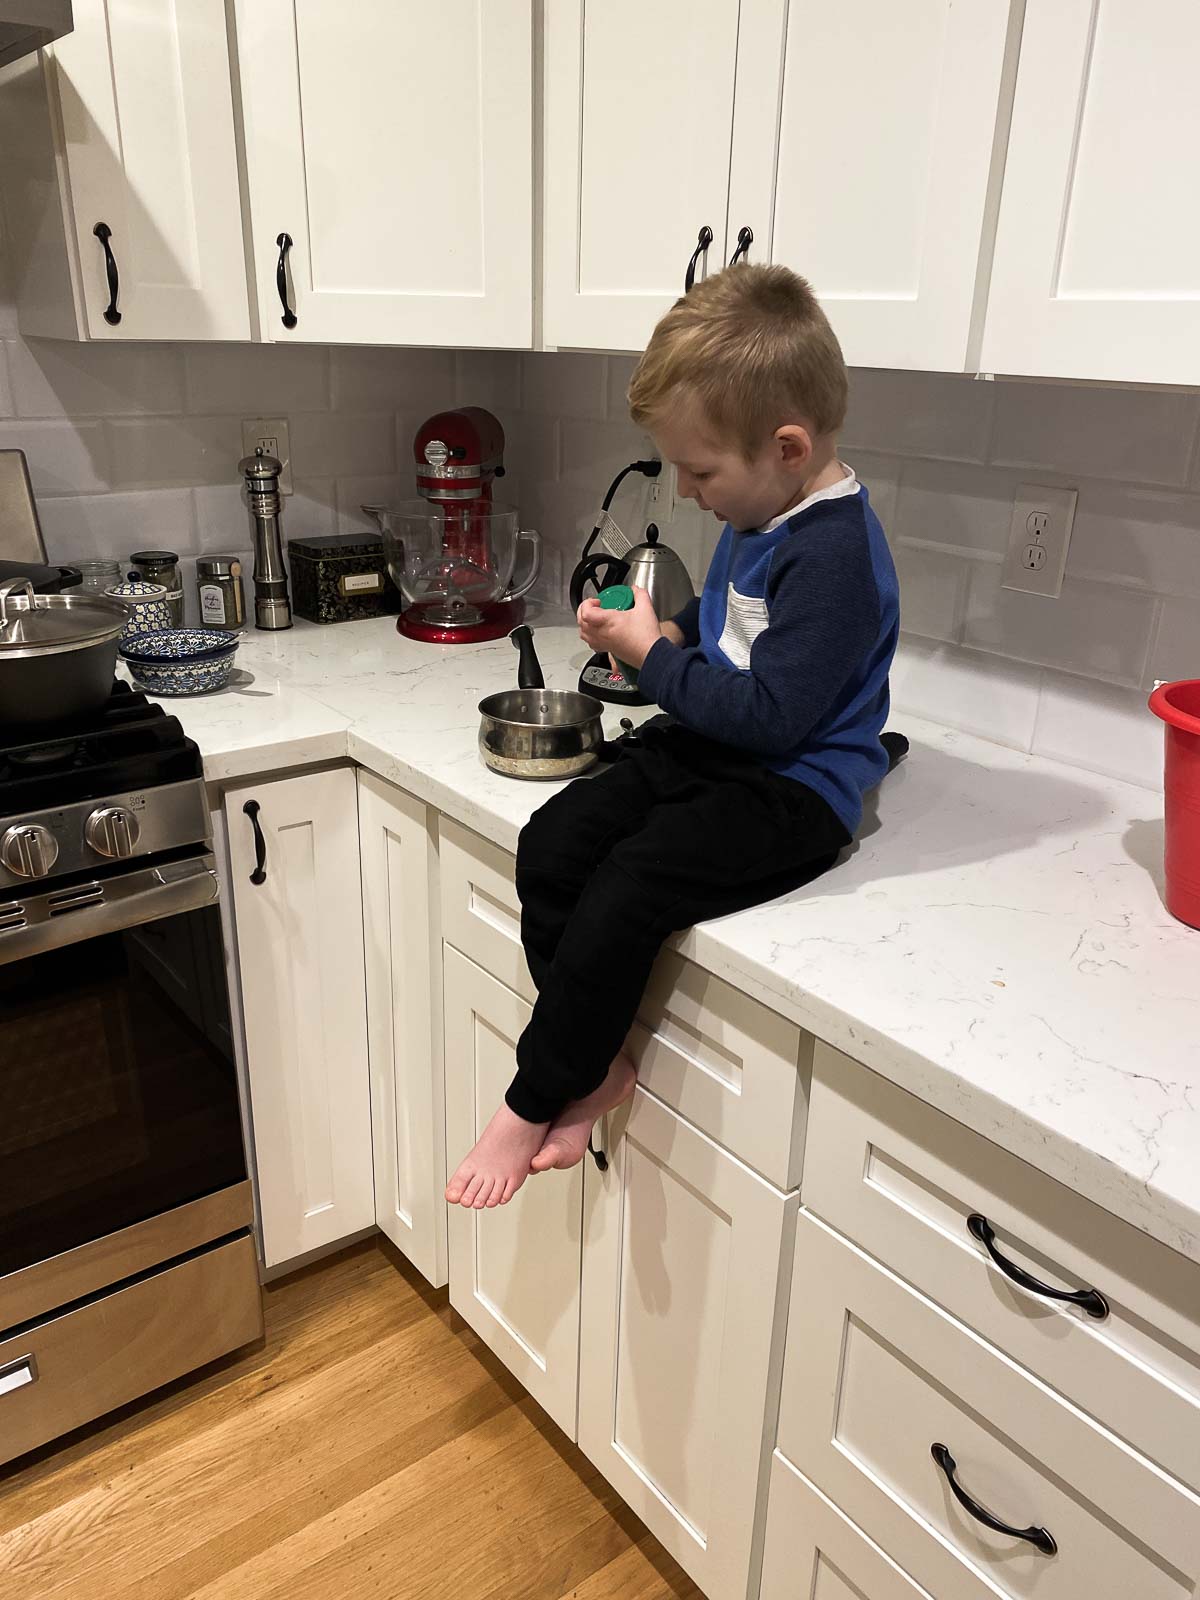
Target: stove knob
29 850
112 831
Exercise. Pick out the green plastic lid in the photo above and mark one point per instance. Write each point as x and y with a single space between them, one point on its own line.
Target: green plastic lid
617 597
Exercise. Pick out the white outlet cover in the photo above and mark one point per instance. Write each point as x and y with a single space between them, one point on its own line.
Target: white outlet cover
1042 520
261 430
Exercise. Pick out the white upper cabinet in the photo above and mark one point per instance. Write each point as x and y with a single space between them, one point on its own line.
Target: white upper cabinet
638 121
867 142
131 132
1097 266
392 142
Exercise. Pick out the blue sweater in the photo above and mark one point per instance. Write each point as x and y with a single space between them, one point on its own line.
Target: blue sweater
786 652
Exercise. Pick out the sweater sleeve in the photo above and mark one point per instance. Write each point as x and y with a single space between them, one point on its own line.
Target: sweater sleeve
823 610
688 621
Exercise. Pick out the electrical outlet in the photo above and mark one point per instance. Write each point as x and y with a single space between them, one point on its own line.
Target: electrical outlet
1039 536
662 498
270 435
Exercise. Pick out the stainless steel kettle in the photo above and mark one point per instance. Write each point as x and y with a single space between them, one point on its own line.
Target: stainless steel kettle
651 566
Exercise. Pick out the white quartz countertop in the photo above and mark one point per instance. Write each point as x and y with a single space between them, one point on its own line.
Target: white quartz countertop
996 942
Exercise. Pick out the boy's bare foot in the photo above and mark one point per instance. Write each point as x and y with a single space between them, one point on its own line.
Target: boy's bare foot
568 1134
499 1163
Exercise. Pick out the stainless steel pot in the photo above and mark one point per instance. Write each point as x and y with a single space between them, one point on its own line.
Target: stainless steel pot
535 732
58 653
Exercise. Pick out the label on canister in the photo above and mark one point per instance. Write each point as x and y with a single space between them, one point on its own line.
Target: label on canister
212 605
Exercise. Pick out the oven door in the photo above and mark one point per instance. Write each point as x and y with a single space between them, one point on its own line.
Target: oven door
118 1092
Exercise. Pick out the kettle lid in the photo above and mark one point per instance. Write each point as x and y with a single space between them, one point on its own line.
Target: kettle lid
651 551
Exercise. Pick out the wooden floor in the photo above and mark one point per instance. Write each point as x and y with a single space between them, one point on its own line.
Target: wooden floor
371 1447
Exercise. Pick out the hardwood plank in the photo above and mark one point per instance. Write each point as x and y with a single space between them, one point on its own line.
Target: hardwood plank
371 1446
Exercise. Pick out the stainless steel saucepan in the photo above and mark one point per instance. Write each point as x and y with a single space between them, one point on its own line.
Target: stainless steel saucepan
535 732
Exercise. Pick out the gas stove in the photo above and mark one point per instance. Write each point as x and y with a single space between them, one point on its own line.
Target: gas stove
98 794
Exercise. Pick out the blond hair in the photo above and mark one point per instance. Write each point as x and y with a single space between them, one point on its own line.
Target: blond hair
754 347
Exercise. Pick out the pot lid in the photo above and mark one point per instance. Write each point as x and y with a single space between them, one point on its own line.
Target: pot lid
30 624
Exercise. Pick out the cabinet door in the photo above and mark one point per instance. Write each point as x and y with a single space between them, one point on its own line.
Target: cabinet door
407 1105
1097 267
870 174
638 117
392 141
514 1270
685 1252
147 119
300 958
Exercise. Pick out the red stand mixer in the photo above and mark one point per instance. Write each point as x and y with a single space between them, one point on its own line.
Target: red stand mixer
452 553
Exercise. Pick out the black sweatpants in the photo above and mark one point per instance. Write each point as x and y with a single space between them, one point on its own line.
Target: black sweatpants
677 830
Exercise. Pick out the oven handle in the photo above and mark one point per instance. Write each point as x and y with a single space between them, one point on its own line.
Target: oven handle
69 916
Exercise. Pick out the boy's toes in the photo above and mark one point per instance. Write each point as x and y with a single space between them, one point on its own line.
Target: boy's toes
456 1188
484 1194
472 1189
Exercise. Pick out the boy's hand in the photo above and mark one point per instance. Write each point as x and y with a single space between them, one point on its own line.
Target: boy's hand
627 635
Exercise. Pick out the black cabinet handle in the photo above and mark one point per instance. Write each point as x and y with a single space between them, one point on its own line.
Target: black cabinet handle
104 233
703 239
259 875
284 242
597 1156
745 240
1040 1538
1091 1300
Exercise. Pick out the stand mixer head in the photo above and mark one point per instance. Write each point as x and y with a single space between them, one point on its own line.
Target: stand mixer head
452 553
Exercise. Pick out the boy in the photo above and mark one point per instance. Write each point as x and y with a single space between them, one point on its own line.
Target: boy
777 678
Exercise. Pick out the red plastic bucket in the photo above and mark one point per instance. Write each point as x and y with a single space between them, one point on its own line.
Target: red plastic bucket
1178 704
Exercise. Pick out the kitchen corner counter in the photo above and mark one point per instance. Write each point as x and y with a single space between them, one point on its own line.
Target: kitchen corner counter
995 943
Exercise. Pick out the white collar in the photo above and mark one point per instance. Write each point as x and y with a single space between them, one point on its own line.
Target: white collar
848 485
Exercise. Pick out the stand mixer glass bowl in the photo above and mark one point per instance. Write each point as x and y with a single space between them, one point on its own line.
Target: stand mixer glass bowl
451 561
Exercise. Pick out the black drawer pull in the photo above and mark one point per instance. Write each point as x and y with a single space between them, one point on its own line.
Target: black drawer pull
104 233
259 875
1091 1300
284 242
745 240
703 239
1040 1538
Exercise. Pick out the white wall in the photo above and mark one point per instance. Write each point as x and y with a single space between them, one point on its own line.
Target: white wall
941 457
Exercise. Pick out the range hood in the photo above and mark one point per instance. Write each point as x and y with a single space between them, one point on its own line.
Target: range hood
27 25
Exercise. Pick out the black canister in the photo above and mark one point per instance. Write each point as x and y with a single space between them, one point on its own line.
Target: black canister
341 577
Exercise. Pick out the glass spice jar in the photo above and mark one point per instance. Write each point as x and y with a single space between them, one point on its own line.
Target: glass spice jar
222 596
162 567
96 576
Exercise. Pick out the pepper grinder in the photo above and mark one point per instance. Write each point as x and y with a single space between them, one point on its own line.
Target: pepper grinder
272 607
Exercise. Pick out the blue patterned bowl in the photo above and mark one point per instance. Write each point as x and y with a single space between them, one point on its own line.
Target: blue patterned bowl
176 661
174 645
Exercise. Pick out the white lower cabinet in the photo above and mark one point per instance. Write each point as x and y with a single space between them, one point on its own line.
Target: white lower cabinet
300 958
514 1269
407 1103
814 1551
680 1333
977 1479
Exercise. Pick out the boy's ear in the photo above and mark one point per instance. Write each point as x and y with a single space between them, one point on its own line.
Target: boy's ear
795 445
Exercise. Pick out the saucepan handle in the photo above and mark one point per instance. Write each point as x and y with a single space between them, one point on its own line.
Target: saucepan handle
529 669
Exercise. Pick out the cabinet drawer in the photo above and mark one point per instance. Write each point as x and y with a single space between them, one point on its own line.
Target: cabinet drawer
875 1375
481 915
814 1552
901 1179
734 1068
